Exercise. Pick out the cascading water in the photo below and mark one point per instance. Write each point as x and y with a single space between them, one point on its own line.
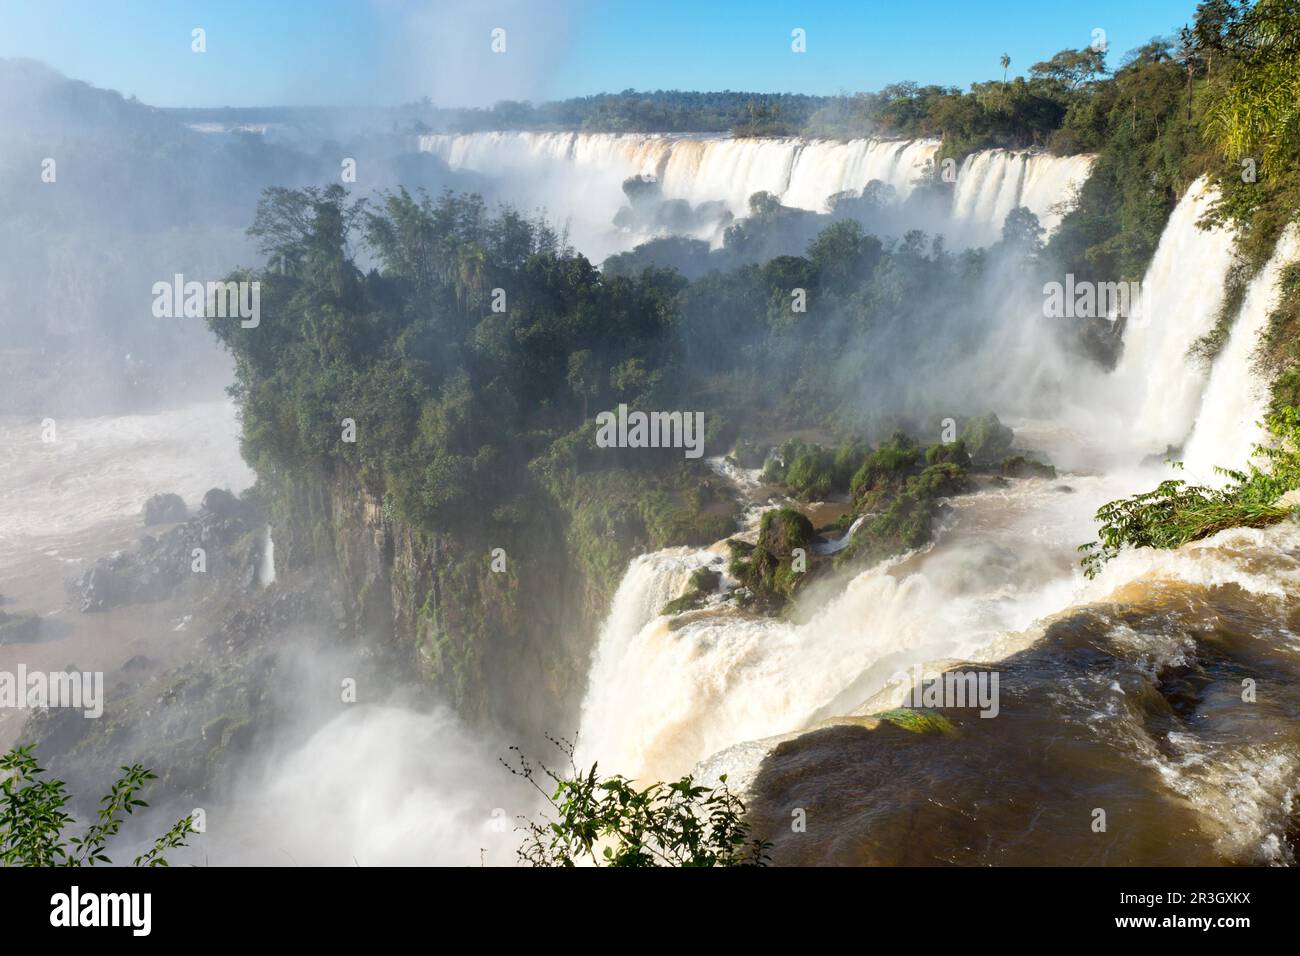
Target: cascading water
651 581
266 572
660 699
1156 388
993 182
579 176
1228 425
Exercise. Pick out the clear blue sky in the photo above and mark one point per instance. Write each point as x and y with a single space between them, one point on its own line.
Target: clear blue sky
383 52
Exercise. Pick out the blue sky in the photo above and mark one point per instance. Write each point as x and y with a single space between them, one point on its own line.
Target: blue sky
382 52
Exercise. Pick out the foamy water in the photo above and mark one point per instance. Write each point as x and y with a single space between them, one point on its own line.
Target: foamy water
104 469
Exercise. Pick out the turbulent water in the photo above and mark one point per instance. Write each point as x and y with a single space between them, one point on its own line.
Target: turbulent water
580 175
61 476
1138 673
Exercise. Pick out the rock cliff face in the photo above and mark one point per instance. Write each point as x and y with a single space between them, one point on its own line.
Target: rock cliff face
501 629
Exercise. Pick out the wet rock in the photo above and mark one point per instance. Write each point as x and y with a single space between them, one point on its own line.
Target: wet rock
19 628
1020 466
987 440
164 563
164 509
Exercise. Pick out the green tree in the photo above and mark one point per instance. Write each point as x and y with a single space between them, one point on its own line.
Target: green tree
1254 106
33 818
1072 68
583 377
1175 512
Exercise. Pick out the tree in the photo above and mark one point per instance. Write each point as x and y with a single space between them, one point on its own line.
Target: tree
842 254
583 377
1255 109
1175 512
33 818
1072 68
1005 60
1022 231
1214 20
608 821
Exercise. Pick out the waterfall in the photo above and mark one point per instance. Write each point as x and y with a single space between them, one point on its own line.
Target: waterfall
266 570
662 698
1156 388
651 581
579 176
1235 401
993 182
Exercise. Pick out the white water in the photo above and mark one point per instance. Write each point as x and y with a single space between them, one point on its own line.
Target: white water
579 176
660 700
993 182
266 571
1228 425
378 786
1156 389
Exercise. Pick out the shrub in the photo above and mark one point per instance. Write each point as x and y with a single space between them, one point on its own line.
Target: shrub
1176 512
609 821
33 820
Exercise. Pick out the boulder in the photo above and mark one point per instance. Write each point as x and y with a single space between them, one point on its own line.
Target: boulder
164 509
19 628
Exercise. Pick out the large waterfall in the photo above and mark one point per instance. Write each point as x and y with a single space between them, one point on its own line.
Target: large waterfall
578 177
1228 425
993 182
1156 387
665 693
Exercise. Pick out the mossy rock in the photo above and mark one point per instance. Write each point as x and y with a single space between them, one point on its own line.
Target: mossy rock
987 440
748 454
705 579
784 529
887 467
918 721
1018 466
